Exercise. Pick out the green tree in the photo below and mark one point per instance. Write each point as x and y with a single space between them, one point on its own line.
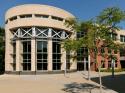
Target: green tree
2 50
99 34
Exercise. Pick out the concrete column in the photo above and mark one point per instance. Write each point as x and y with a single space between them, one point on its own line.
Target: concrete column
21 57
49 47
63 59
18 55
8 51
33 55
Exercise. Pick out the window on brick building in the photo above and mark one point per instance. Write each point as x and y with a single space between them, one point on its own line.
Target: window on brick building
122 52
122 38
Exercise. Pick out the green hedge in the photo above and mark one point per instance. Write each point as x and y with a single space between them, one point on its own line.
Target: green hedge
110 70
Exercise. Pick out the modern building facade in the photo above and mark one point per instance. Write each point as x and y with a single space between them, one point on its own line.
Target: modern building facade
106 62
33 36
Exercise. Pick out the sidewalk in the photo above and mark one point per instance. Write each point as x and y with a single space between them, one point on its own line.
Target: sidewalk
49 83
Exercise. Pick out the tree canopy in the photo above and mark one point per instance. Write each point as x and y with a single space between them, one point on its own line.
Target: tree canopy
99 29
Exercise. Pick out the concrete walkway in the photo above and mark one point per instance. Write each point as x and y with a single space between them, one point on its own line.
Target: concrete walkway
52 83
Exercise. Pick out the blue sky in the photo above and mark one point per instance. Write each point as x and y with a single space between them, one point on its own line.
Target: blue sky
82 9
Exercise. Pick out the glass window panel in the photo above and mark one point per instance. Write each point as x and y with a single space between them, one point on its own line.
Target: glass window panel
80 66
29 56
44 61
54 56
39 61
58 56
24 66
44 66
25 61
44 46
39 46
24 47
39 66
39 56
29 66
29 60
24 56
29 47
56 66
54 47
123 38
44 56
58 48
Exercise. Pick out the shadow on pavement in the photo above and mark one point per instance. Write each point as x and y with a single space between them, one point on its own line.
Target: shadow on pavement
117 83
79 87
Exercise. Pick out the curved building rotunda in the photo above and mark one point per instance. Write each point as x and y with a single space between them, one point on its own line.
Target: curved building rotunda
33 36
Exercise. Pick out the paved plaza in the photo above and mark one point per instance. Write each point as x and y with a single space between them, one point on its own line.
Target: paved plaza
50 83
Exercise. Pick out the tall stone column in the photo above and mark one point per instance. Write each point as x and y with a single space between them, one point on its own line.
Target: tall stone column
49 48
18 55
33 55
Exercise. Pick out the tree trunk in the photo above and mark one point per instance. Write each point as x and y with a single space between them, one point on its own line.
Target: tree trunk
89 67
100 78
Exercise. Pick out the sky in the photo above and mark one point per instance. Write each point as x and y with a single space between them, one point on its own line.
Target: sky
82 9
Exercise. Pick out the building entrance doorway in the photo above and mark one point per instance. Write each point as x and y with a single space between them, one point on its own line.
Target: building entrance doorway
82 65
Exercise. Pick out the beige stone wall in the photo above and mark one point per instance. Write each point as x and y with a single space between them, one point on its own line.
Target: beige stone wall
37 9
120 32
8 51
